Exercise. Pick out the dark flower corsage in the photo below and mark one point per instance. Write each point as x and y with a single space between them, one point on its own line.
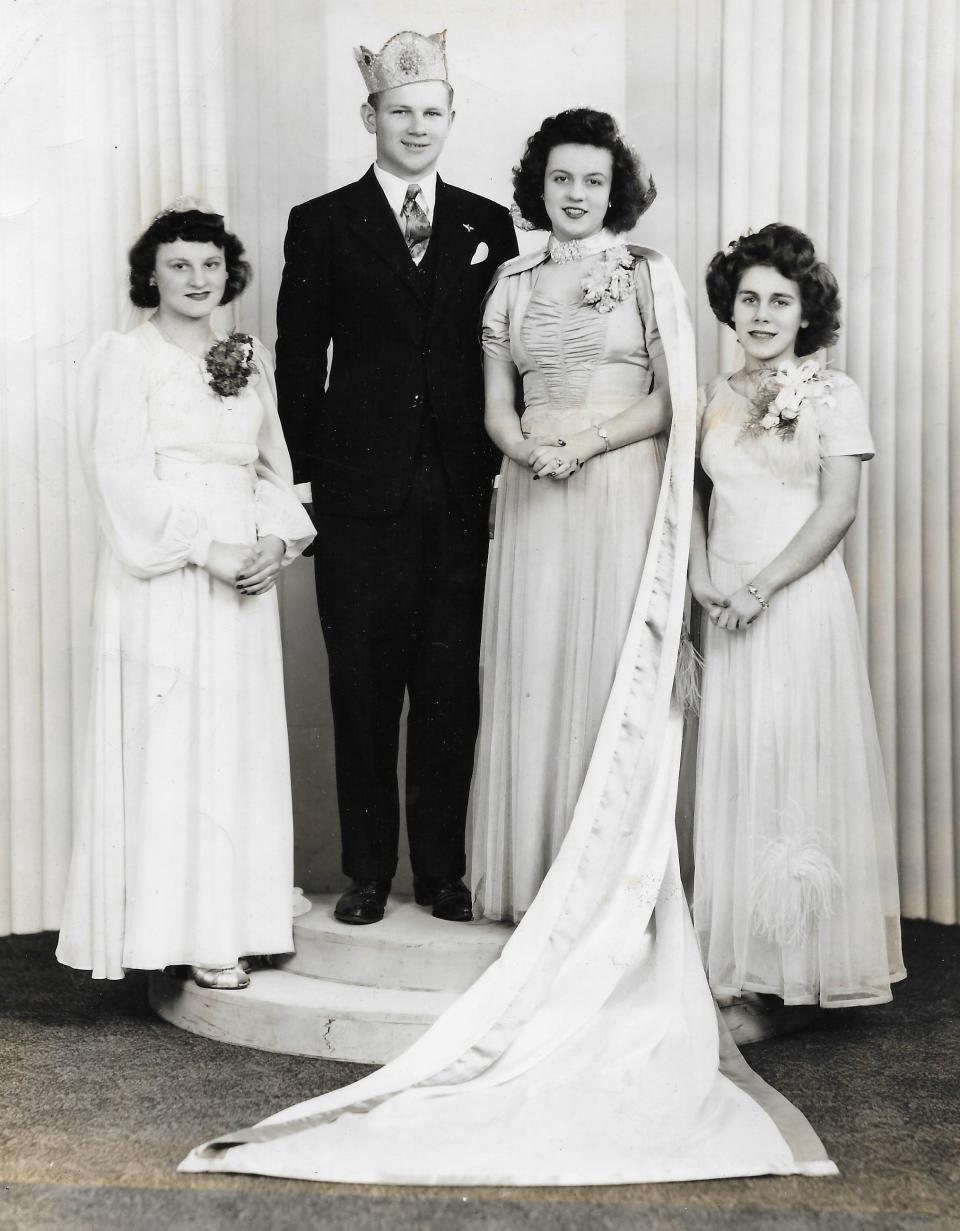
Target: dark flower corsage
230 364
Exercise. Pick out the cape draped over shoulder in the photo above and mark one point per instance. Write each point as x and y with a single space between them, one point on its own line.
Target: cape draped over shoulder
590 1052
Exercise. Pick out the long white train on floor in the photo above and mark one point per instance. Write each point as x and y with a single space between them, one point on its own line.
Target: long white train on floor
592 1045
347 993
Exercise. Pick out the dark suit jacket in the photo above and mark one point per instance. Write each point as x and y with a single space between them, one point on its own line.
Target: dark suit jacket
402 351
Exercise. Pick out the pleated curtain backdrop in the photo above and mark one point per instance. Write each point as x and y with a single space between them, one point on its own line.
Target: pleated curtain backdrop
841 117
108 110
835 115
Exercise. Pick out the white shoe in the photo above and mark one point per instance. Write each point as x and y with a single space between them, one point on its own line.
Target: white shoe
221 978
753 1020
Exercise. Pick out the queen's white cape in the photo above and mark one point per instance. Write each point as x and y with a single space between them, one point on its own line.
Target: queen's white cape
591 1051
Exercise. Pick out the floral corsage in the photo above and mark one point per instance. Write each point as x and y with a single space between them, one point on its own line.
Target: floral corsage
609 280
230 364
784 394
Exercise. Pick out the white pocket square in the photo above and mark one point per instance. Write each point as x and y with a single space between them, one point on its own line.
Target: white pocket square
481 254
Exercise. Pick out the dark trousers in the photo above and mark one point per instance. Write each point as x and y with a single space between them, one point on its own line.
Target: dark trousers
400 602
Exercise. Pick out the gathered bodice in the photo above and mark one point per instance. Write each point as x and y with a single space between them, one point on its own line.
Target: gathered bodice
579 366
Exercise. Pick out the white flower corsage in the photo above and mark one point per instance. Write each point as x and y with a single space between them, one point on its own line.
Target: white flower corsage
609 280
785 393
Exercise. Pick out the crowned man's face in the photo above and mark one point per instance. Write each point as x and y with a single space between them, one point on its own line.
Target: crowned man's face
411 124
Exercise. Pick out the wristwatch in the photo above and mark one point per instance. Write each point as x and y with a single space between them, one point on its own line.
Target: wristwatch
604 436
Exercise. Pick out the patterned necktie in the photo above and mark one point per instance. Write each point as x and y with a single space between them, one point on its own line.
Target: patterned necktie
416 227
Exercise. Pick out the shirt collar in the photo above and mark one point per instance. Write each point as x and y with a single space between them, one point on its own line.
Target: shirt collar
395 190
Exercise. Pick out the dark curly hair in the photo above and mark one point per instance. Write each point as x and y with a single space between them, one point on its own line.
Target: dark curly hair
195 226
792 254
632 189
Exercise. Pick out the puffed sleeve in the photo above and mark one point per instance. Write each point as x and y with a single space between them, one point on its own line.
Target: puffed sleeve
648 313
141 519
276 508
495 333
844 429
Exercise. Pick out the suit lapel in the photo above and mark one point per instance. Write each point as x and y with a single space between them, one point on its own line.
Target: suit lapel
455 243
376 227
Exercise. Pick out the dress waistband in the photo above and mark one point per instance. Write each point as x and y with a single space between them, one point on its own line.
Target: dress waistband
209 474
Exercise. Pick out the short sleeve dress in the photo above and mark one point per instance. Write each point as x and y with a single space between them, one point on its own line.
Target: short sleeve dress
182 848
562 576
795 888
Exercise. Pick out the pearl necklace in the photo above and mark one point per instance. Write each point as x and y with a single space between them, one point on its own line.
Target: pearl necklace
564 251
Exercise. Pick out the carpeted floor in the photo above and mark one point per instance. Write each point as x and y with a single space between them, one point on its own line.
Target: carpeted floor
99 1101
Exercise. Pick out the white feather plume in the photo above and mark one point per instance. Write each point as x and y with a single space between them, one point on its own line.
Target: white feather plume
794 886
686 682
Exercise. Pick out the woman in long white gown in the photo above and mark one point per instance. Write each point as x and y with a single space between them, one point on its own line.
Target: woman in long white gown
589 1053
183 840
796 881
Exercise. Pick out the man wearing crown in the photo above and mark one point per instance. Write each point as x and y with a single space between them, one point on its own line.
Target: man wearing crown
392 270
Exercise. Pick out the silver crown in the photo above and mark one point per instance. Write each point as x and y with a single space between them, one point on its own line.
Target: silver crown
402 60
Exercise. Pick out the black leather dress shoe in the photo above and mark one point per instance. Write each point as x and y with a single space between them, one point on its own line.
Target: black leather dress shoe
450 899
363 902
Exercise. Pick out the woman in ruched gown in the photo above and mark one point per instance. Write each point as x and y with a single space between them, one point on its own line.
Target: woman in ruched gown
183 841
570 540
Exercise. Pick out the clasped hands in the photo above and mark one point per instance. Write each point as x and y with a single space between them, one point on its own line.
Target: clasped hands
251 569
549 459
729 612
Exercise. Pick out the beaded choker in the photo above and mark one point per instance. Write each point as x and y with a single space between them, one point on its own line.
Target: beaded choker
563 251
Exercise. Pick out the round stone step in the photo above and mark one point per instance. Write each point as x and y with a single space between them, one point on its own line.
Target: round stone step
285 1012
407 949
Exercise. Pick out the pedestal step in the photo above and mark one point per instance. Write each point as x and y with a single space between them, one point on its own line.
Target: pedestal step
361 993
407 949
301 1016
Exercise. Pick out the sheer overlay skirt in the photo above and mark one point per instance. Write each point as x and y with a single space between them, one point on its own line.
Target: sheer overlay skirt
795 882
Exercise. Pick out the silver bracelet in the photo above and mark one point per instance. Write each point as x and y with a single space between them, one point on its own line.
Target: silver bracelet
758 596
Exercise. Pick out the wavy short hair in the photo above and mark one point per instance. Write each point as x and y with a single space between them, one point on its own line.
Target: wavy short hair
792 254
632 189
194 226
